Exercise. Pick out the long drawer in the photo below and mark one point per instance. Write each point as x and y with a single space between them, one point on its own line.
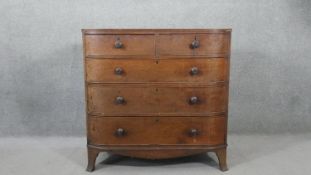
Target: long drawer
166 70
151 45
124 100
156 130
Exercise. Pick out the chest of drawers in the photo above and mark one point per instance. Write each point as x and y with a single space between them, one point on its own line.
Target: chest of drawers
156 93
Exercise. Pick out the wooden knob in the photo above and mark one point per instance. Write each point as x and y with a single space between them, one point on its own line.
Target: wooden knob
193 132
195 44
120 132
194 71
118 44
194 100
118 71
120 100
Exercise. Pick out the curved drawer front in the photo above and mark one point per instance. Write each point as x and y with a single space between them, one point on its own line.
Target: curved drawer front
113 45
147 70
156 130
133 101
194 44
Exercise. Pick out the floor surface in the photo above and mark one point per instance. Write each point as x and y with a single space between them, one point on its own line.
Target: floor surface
247 154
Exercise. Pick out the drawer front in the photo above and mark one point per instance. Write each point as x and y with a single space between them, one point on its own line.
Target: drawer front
119 45
129 100
156 130
166 70
194 44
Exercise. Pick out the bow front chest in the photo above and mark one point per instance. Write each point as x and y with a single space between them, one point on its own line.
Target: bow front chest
156 93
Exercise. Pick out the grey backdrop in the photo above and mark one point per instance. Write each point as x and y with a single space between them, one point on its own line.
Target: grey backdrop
41 71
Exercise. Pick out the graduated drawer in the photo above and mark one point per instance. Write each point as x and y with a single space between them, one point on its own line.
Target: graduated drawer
166 70
193 44
156 130
112 100
119 45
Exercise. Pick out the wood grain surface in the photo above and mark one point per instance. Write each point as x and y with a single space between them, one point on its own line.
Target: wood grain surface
156 93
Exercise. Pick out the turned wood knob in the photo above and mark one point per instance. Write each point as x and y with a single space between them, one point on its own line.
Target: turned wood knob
193 132
194 71
120 100
118 44
118 71
195 44
120 132
194 100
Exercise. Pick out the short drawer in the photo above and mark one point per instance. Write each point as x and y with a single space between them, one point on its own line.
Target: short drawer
156 130
194 44
110 100
119 45
146 70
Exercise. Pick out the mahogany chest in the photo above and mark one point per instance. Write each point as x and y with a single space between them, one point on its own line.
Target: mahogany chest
156 93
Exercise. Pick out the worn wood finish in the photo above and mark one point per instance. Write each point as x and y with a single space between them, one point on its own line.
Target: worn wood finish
222 155
155 100
157 130
180 44
132 45
153 31
168 70
156 93
92 154
156 151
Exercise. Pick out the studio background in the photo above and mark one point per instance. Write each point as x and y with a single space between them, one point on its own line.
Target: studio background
41 59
